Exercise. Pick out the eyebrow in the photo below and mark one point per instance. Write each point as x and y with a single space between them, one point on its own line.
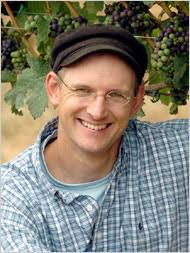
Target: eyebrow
81 85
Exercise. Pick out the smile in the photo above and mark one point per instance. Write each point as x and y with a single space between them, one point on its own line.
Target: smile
94 127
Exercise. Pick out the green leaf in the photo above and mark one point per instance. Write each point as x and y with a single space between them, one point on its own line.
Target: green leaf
155 32
91 8
21 19
149 3
39 66
36 6
185 78
164 98
15 111
77 7
8 76
30 88
173 109
180 67
43 29
38 100
148 51
156 77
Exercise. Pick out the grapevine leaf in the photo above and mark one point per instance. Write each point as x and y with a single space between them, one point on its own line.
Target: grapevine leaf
148 51
39 66
180 67
56 8
8 76
155 32
91 8
149 3
36 7
38 100
156 77
21 19
173 109
30 87
43 29
185 78
16 111
77 7
15 97
164 98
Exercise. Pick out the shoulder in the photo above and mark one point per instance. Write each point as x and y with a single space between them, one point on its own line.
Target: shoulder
179 127
169 125
19 174
163 138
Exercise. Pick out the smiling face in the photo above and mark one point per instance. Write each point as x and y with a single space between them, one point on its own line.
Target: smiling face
93 125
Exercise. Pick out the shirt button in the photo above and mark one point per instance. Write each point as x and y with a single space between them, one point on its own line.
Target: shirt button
89 208
77 219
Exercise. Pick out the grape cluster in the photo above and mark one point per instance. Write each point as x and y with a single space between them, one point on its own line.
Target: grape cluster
8 45
64 23
135 18
172 40
30 25
19 59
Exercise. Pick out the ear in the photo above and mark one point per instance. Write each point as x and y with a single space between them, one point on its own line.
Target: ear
52 88
138 100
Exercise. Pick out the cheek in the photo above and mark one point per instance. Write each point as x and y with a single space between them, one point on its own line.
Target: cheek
122 117
68 106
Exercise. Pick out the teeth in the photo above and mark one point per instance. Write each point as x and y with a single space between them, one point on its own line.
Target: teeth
94 127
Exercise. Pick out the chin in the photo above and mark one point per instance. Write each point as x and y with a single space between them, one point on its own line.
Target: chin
97 148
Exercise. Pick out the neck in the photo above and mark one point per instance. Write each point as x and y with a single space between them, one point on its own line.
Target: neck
76 166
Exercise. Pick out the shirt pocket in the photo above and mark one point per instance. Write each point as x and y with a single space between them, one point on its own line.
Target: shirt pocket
159 225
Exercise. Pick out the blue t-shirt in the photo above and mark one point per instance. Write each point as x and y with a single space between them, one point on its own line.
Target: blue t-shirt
95 189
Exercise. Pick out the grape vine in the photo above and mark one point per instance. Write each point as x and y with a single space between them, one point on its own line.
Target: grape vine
65 23
29 29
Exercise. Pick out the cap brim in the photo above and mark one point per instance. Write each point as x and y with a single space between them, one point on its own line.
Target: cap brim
92 49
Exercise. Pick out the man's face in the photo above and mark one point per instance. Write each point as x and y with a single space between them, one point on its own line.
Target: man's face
91 124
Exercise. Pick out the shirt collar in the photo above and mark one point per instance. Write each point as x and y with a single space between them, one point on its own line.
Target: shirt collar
49 129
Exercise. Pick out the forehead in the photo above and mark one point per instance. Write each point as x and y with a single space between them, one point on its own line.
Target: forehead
100 71
101 63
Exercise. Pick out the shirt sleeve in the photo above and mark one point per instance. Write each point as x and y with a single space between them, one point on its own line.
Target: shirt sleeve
19 232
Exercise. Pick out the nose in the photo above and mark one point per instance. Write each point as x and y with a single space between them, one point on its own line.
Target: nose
97 108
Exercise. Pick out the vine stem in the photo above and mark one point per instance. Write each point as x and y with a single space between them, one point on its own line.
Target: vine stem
72 9
156 20
13 20
48 8
164 7
149 41
154 87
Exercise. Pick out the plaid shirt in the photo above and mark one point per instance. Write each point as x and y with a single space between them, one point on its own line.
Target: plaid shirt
145 206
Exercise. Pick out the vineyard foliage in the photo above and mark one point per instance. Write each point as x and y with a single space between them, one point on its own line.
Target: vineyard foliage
29 29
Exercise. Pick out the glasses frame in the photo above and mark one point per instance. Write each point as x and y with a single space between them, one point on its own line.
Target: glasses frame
106 96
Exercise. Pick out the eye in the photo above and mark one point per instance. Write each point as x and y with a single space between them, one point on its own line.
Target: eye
116 94
80 91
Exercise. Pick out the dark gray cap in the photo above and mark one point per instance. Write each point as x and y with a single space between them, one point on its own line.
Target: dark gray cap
69 47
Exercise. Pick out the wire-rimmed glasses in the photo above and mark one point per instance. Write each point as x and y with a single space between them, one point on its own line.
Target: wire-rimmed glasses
114 97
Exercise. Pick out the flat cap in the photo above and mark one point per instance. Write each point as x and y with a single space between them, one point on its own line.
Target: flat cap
70 47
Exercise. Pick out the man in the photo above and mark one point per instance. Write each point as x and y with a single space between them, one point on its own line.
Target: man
97 179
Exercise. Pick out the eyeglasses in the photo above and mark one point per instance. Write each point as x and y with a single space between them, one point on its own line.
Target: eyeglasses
114 97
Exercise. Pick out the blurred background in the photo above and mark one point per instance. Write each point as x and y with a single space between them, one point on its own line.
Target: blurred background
18 132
